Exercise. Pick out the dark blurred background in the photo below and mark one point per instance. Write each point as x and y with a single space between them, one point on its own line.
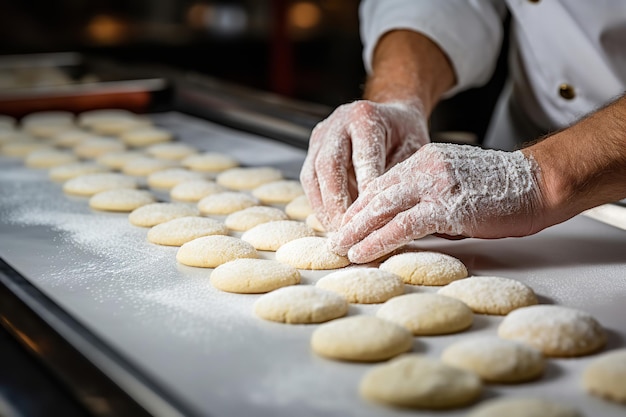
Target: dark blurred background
303 49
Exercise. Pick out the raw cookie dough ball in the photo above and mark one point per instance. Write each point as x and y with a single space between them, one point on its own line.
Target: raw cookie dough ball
117 159
361 338
300 304
247 218
212 251
299 208
144 136
522 407
20 148
554 330
495 360
491 295
70 138
248 178
144 166
90 184
177 232
173 151
7 122
169 178
45 124
278 192
209 162
363 285
605 376
120 199
226 202
195 190
73 170
96 146
10 136
417 381
427 314
271 236
310 253
313 222
425 268
49 158
89 117
118 125
157 213
253 276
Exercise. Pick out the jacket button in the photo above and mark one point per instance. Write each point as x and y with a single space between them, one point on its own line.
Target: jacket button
567 91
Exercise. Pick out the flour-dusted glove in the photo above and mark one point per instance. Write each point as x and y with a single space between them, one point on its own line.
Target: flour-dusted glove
446 189
356 144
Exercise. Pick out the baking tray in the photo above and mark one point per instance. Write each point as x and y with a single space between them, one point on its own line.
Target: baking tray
176 346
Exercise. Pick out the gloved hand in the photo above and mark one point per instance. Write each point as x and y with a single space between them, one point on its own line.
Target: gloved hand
447 189
356 144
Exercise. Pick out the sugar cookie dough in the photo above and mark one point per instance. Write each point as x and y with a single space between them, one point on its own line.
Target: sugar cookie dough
226 202
20 148
427 313
89 117
195 190
299 208
495 359
73 170
522 407
248 178
271 236
278 192
49 158
118 125
425 268
554 330
70 138
144 166
171 177
157 213
363 285
361 338
94 147
491 295
120 199
310 253
181 230
209 162
117 159
247 218
253 276
313 222
90 184
605 376
144 136
174 151
212 251
417 381
300 304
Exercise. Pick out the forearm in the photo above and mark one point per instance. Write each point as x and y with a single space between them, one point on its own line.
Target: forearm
409 67
585 165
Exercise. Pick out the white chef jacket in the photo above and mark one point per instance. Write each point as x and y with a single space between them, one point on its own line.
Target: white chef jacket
567 57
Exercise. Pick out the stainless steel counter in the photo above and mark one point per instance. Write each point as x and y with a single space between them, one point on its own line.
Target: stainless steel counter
209 352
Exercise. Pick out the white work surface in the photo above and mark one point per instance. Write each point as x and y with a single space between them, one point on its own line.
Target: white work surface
208 349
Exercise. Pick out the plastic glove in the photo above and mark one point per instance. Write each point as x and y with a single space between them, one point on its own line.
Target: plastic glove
355 145
446 189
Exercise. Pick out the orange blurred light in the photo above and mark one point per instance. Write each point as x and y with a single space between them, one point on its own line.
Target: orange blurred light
106 30
304 15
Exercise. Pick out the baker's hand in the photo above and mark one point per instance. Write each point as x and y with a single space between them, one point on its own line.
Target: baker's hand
356 144
446 189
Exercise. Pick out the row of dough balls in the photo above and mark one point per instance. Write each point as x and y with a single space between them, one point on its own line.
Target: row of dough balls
345 338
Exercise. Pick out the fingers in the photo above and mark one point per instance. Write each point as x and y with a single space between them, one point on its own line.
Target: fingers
368 151
374 214
404 228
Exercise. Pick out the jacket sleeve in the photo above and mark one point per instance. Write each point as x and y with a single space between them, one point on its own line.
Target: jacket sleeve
468 31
